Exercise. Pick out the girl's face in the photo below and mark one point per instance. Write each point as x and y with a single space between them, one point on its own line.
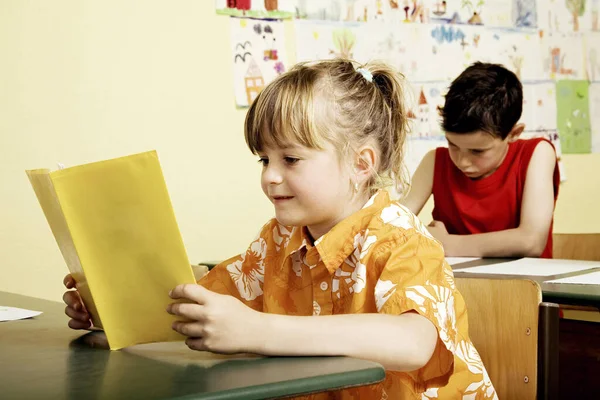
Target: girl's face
308 187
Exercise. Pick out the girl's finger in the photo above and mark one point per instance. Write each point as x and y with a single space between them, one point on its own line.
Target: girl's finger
69 282
192 329
190 311
77 315
75 324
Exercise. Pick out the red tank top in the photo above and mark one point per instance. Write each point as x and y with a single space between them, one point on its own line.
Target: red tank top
490 204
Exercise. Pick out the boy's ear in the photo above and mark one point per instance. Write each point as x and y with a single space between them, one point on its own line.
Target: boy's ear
515 132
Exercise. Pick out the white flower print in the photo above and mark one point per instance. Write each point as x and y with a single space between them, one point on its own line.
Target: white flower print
400 216
467 352
357 278
248 274
281 236
297 263
431 393
316 308
383 291
449 276
441 300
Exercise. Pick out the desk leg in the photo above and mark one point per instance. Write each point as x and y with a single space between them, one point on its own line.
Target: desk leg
548 352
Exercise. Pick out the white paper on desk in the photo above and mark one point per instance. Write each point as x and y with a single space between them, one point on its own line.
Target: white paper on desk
13 313
460 260
533 267
592 278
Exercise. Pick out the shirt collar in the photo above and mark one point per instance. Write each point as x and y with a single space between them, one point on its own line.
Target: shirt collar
336 245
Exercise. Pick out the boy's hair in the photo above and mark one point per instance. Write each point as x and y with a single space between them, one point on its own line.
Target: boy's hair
486 97
332 101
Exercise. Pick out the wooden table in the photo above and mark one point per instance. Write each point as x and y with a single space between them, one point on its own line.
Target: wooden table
42 358
562 293
578 341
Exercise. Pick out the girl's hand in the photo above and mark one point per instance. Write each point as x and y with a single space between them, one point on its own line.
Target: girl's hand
215 322
80 318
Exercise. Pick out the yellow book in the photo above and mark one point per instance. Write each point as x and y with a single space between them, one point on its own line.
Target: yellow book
116 229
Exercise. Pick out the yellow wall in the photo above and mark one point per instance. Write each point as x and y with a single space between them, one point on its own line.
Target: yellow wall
82 81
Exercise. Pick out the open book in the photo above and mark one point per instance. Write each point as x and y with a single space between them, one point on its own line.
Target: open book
116 229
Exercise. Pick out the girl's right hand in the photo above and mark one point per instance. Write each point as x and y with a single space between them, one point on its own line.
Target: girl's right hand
80 318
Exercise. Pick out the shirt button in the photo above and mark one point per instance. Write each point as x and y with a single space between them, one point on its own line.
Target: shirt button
324 286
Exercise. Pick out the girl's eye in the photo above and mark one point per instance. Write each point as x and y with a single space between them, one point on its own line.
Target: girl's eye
291 160
264 161
477 152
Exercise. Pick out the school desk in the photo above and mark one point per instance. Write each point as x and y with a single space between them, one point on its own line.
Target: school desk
42 358
562 281
571 282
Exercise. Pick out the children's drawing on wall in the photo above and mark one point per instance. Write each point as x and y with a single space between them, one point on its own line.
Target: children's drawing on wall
563 56
395 11
592 51
573 116
472 12
424 115
317 40
567 15
403 46
594 93
539 106
518 51
277 9
524 13
258 56
454 47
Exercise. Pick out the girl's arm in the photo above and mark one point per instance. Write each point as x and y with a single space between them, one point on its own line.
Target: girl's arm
223 324
399 342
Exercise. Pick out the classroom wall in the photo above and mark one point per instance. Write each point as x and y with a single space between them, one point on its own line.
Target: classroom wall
83 81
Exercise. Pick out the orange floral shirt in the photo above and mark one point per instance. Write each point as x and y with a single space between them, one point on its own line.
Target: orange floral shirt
381 259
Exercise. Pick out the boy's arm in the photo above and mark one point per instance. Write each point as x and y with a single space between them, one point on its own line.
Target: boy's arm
421 184
537 207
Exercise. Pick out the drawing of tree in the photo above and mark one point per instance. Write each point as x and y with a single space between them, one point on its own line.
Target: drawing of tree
474 8
576 8
344 41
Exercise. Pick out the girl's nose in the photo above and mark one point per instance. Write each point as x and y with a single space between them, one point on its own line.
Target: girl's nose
271 175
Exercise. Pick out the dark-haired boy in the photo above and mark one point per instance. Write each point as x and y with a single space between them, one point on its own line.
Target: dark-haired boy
494 195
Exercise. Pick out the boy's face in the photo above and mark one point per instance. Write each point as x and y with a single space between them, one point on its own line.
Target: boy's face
477 154
308 187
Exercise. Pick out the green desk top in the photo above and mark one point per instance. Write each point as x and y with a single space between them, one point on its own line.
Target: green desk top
564 293
42 358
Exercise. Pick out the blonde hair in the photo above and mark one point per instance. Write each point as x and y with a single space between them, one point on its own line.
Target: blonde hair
331 101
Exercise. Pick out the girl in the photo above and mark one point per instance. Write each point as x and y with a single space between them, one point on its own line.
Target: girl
342 269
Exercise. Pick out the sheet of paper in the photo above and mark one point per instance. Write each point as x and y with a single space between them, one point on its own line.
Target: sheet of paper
460 260
592 278
13 313
573 116
533 267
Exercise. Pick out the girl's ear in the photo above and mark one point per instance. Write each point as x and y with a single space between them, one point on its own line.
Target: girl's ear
515 132
365 163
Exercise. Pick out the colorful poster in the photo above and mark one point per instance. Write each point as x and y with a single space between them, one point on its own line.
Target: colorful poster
594 92
563 56
276 9
573 116
539 106
258 56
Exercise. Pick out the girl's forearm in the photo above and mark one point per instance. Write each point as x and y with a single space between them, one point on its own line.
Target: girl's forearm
398 342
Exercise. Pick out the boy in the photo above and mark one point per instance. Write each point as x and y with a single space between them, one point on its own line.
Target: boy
494 194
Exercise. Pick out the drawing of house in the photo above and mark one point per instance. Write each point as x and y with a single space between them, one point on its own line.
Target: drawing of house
253 81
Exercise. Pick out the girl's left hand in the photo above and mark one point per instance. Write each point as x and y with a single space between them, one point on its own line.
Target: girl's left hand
215 322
